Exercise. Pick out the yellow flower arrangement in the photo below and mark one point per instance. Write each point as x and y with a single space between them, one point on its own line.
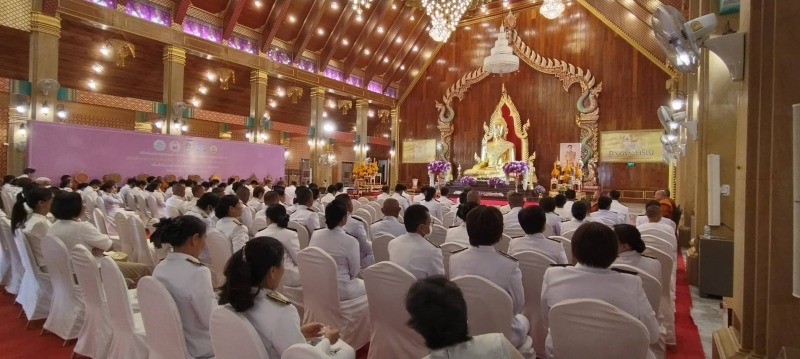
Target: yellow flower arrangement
364 170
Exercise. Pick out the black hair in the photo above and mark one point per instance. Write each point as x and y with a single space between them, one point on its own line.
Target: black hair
430 192
303 195
484 226
150 179
414 216
570 194
385 189
271 196
561 200
236 185
652 202
258 191
246 269
604 202
463 210
277 215
95 182
579 210
253 182
293 183
176 231
462 198
344 198
63 177
224 205
231 180
532 219
64 183
107 186
331 189
595 245
8 178
131 181
314 192
81 186
548 204
399 188
30 195
339 186
208 200
614 194
438 312
444 191
630 235
516 199
29 171
141 183
334 213
67 205
152 187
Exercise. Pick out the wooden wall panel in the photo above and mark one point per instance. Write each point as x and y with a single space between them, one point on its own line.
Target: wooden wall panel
633 88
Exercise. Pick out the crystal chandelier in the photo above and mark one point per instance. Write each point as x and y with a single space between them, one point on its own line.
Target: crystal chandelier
445 15
552 8
360 5
501 59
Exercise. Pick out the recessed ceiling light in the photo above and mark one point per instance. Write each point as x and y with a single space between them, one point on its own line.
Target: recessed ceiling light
416 48
273 104
105 50
359 18
386 59
345 42
394 6
195 102
334 5
97 68
211 76
321 31
203 90
380 29
398 39
258 3
292 19
411 18
402 67
92 84
366 51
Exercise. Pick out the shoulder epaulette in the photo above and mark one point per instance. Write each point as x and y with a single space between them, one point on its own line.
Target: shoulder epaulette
277 298
624 271
554 240
291 229
560 265
434 244
237 222
351 235
454 226
319 228
459 250
504 254
358 219
649 256
195 262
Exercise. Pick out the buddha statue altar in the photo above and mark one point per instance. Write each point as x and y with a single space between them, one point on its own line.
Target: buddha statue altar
495 151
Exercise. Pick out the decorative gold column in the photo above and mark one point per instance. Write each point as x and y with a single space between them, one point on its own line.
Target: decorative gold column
362 109
394 152
320 173
258 100
43 64
174 62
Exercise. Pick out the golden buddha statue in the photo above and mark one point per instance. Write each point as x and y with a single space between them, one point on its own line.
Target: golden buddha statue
495 151
556 169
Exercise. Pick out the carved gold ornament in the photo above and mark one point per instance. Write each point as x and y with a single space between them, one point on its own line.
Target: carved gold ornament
226 77
344 105
121 49
294 93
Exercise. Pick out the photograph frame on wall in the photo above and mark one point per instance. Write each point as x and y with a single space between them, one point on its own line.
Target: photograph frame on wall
419 151
569 153
642 146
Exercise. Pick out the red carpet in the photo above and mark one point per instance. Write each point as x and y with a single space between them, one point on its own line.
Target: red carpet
688 338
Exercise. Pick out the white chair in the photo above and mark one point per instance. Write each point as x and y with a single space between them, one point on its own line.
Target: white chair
503 244
321 298
162 322
5 263
667 305
447 250
363 200
143 252
129 340
125 232
152 206
66 309
438 234
142 210
365 222
663 245
130 202
448 219
259 223
8 202
567 244
380 247
98 203
548 231
233 337
558 238
568 233
533 265
89 211
302 233
514 231
387 284
94 339
100 220
172 212
16 270
489 307
580 328
247 220
35 291
321 215
364 214
219 251
437 221
303 351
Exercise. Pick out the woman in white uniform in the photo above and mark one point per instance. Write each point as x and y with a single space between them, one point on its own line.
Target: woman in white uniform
228 210
113 203
187 280
277 223
434 207
202 210
343 248
458 234
630 250
439 313
35 224
251 278
154 190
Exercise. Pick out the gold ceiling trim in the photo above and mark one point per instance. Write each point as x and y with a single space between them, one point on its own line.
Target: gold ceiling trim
45 24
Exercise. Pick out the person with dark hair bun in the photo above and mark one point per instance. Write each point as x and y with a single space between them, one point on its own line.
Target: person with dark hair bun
228 209
256 201
252 277
113 203
35 225
458 234
438 313
187 279
277 223
356 227
631 247
594 247
204 208
430 201
343 248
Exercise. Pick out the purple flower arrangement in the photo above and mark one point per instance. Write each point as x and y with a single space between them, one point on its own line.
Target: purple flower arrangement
494 181
516 168
467 180
437 167
540 190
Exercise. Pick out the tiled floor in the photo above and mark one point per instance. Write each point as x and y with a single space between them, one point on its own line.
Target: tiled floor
708 317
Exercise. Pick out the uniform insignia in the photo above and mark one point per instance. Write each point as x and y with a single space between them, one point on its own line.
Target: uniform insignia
454 226
647 256
319 228
458 251
504 254
560 265
358 219
554 240
434 244
291 229
195 262
277 297
237 222
624 271
354 237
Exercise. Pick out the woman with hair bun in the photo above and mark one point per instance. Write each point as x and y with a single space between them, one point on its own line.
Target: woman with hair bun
35 224
251 278
631 247
187 279
343 248
277 223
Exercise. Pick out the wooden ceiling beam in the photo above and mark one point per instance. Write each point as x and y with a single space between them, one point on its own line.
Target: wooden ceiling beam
336 34
416 38
180 11
358 46
231 17
419 58
386 42
308 29
274 21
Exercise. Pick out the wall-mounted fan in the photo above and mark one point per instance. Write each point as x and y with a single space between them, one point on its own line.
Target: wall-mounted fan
682 40
672 140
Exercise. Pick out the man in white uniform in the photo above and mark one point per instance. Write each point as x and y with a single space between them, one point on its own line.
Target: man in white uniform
355 228
548 204
412 250
579 211
446 202
618 208
515 202
533 221
398 195
289 193
604 214
389 224
384 193
176 204
304 214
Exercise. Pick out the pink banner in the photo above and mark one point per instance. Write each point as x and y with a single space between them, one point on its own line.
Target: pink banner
56 149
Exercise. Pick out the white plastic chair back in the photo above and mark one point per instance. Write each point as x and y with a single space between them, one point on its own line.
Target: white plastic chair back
447 250
437 221
567 244
98 203
303 351
35 291
233 337
90 207
650 284
365 222
66 309
558 238
302 233
375 205
380 247
503 244
580 329
94 339
514 231
5 263
162 321
100 221
321 215
438 234
130 202
172 212
380 201
8 202
219 251
448 219
489 307
16 269
548 231
141 208
247 220
363 200
387 284
125 232
606 221
259 223
128 340
662 244
144 254
666 270
568 233
364 214
533 265
152 206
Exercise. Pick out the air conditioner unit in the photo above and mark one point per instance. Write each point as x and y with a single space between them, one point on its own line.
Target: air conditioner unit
713 190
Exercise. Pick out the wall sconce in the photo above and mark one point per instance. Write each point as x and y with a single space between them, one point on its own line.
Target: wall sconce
391 152
345 105
285 153
61 112
45 109
295 93
248 134
159 124
263 136
22 107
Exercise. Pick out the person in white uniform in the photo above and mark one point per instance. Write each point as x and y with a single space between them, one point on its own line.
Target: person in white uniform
343 248
485 228
330 195
187 279
618 208
389 224
304 214
384 193
579 212
289 193
228 210
419 197
113 203
631 248
35 225
604 214
398 195
355 227
125 190
533 222
664 220
429 200
251 279
154 190
277 223
654 221
571 199
515 203
595 247
248 214
439 314
176 203
204 210
256 202
443 199
412 250
563 213
548 204
458 234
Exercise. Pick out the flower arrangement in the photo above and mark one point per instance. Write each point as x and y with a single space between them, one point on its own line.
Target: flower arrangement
539 190
364 170
494 181
437 167
516 168
468 180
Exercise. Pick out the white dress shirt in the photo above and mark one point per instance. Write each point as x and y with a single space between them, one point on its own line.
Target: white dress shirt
619 209
604 215
199 213
571 225
235 231
388 225
554 221
289 194
327 198
161 202
73 233
404 203
458 235
446 202
306 217
417 255
383 195
511 219
256 204
355 228
647 264
659 226
175 206
492 345
124 190
287 237
434 207
563 213
418 198
189 283
344 250
539 243
90 193
568 208
35 228
247 220
643 219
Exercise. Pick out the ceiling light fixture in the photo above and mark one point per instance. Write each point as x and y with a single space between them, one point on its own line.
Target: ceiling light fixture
203 89
97 68
258 4
552 8
61 112
210 76
292 19
92 84
402 67
334 5
360 5
385 59
502 59
195 102
345 42
21 108
398 39
412 18
366 52
105 50
445 16
416 48
321 31
359 18
380 29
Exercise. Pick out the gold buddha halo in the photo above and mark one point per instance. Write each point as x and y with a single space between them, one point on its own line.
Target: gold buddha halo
225 76
121 50
345 105
294 93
